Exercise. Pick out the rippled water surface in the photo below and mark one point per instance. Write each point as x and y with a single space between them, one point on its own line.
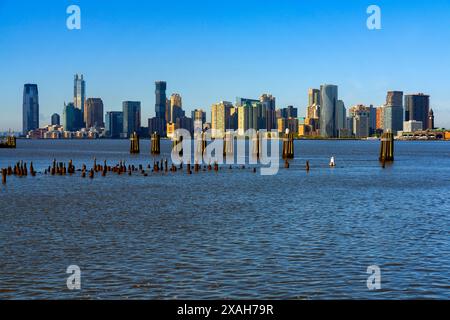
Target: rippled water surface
232 234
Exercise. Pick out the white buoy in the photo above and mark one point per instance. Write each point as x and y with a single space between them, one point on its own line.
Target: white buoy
332 162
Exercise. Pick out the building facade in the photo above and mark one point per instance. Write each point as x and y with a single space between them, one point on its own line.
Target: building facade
329 99
79 93
93 116
30 108
131 117
417 107
114 124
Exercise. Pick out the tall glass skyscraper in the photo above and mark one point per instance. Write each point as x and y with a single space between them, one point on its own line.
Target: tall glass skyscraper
160 99
329 99
393 112
30 110
72 118
114 124
417 107
79 93
131 117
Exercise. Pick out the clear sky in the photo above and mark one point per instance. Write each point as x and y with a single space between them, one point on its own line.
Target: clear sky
212 50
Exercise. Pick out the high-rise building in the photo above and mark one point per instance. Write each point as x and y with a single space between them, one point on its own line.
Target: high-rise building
361 116
249 114
79 93
328 99
93 116
380 118
372 120
114 124
412 126
417 107
56 119
220 118
268 108
160 99
393 112
430 124
175 109
198 119
131 117
341 115
30 108
72 118
313 97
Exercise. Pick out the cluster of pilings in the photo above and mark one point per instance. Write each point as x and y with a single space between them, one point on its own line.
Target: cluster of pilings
387 147
19 170
134 143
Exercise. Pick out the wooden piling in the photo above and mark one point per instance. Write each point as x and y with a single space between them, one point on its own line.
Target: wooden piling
288 145
134 143
156 144
4 173
387 147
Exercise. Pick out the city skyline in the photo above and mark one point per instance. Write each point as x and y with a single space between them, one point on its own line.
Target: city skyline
203 53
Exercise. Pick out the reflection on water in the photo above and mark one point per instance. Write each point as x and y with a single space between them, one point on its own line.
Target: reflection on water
231 234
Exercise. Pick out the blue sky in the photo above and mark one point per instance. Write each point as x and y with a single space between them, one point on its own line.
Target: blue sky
217 50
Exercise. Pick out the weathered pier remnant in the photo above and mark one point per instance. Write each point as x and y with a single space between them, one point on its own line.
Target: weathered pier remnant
307 166
4 173
288 145
177 144
134 143
156 143
228 144
255 144
387 147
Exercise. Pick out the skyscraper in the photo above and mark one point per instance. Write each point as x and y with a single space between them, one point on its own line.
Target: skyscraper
30 108
114 124
198 119
268 107
79 93
175 110
93 116
393 112
361 116
72 118
328 98
56 120
341 115
220 118
131 117
160 99
313 97
417 107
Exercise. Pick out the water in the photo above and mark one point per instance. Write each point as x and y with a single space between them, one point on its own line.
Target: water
232 234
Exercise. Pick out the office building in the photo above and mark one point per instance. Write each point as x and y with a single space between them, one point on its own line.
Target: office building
393 112
30 108
93 116
412 126
160 99
131 117
417 107
72 118
220 118
79 93
328 99
114 124
56 119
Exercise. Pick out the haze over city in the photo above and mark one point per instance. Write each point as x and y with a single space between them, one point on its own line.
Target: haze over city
213 51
